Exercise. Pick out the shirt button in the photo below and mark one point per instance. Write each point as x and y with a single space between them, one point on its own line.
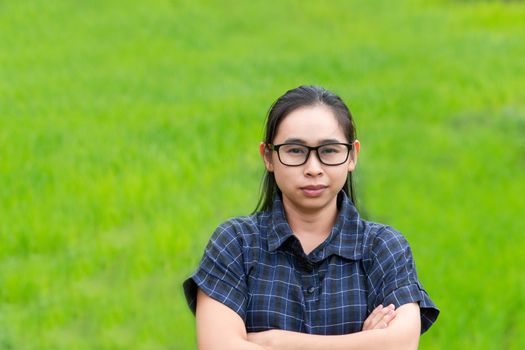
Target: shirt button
310 290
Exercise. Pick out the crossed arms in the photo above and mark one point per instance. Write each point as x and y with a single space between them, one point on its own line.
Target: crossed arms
219 327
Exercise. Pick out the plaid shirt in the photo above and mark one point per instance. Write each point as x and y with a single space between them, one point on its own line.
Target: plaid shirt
256 266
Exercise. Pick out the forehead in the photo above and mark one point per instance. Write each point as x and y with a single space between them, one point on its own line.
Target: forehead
311 124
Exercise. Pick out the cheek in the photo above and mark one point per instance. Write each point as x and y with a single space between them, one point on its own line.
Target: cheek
340 176
284 177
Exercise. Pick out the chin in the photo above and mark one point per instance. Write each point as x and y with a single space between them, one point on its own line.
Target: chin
316 202
299 200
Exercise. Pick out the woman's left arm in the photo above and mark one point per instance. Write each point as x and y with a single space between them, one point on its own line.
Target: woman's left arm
402 333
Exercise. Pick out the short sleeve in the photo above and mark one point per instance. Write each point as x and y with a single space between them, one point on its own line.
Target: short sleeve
392 277
220 274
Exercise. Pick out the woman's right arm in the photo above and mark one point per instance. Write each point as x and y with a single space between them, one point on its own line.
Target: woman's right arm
219 327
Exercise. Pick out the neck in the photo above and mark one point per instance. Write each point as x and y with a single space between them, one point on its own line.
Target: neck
311 225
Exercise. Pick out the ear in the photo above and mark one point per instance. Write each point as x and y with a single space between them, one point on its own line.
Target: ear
266 156
353 156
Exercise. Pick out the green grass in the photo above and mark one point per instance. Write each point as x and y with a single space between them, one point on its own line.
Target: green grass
129 131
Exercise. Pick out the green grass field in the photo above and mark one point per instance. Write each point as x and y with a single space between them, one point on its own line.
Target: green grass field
129 131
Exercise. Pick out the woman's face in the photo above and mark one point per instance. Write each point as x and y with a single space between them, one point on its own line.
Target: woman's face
312 186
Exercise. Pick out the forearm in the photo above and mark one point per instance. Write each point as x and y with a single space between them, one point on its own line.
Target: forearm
381 339
402 333
231 344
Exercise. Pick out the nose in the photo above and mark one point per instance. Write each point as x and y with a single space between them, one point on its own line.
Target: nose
313 166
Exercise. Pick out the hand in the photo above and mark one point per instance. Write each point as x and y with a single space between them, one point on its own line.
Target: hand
380 318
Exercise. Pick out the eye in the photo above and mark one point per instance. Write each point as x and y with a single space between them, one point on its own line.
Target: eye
330 150
295 150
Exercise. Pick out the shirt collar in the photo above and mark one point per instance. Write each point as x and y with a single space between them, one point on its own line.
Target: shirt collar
344 239
280 231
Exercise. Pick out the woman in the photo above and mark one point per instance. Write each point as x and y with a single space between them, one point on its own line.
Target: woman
305 271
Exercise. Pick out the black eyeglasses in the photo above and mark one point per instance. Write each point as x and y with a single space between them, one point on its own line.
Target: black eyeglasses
295 154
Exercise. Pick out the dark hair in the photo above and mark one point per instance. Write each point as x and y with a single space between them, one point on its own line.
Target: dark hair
299 97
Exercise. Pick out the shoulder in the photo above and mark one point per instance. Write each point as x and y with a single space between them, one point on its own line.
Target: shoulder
240 231
239 226
381 239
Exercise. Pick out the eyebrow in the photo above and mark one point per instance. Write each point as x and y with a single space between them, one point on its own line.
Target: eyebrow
301 141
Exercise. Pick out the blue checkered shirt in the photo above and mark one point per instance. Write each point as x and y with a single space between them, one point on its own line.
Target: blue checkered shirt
256 266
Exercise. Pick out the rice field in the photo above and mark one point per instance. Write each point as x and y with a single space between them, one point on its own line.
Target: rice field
129 130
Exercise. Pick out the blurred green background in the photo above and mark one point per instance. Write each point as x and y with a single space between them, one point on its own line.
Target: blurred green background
129 130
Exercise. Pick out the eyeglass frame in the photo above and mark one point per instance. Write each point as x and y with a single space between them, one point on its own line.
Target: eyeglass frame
349 147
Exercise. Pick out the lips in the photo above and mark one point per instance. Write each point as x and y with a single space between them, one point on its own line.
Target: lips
313 190
313 187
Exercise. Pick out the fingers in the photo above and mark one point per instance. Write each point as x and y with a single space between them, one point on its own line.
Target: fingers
383 316
385 321
375 316
380 317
